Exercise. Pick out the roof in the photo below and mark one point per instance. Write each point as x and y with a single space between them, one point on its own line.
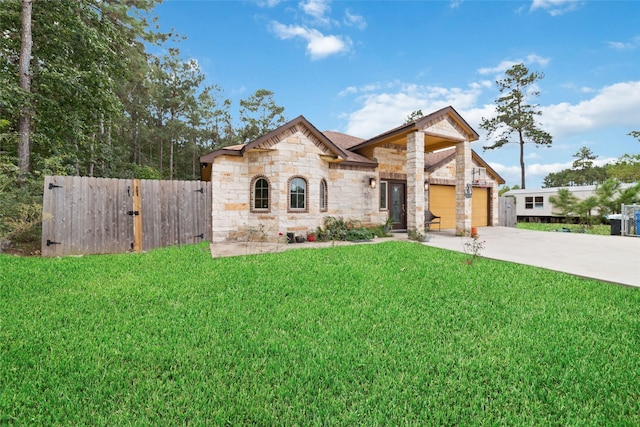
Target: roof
419 124
342 139
273 138
345 142
572 188
344 146
436 159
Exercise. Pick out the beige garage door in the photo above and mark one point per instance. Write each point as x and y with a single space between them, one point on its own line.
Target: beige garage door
442 202
480 207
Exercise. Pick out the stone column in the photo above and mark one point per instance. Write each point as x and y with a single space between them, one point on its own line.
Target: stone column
463 177
415 181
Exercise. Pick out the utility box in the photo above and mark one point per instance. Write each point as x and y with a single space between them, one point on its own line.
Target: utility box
616 227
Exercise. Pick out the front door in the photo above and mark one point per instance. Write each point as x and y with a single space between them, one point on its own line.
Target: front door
398 205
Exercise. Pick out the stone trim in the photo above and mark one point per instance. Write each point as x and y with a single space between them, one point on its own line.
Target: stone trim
393 176
397 147
442 181
306 195
351 167
252 193
443 118
291 131
326 195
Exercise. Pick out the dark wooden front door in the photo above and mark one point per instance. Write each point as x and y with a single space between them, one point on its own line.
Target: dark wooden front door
398 211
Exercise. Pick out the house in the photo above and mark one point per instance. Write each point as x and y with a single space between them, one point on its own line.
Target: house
534 205
291 178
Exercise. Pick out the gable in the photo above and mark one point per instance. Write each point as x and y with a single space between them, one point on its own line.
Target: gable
268 141
272 139
444 126
442 164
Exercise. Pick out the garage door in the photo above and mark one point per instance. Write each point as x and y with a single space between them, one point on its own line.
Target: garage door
442 202
480 207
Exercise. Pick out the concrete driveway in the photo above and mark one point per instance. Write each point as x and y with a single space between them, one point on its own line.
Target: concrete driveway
613 259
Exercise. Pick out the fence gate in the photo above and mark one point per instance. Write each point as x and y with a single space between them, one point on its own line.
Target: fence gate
84 215
507 216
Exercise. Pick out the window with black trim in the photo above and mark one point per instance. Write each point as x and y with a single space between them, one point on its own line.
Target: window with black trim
536 202
297 194
323 195
383 196
261 199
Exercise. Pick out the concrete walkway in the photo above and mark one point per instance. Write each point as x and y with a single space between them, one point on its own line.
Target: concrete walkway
613 259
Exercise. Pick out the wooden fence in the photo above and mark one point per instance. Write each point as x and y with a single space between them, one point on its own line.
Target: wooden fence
99 215
507 215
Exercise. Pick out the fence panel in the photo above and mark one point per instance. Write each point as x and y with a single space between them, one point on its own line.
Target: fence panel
183 208
507 216
85 216
96 215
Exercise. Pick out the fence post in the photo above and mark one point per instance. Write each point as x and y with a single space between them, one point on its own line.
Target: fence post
137 216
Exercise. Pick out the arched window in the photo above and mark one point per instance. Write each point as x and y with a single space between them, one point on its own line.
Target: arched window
323 195
261 200
297 194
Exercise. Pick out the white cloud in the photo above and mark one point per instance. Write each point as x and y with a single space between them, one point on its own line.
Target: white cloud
319 46
630 45
354 20
556 7
269 3
389 108
531 59
316 8
615 105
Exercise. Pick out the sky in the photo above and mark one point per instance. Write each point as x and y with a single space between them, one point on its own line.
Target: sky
361 67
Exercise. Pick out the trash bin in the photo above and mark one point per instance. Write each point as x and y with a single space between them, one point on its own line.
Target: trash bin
616 227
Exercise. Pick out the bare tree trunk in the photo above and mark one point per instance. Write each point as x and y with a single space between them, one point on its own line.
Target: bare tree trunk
522 160
24 121
171 160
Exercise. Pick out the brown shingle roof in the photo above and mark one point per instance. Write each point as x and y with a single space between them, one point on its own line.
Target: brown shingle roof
345 142
435 159
342 139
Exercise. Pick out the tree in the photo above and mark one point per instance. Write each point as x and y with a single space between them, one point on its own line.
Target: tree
606 195
259 115
515 115
506 188
635 134
562 178
565 203
415 115
585 208
583 159
583 170
24 70
625 169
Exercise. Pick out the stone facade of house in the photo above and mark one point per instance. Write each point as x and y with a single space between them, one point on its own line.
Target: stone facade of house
339 177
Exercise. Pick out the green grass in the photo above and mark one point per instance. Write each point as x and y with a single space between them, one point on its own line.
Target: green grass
600 229
390 334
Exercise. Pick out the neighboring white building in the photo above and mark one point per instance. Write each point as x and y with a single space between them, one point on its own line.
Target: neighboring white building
534 205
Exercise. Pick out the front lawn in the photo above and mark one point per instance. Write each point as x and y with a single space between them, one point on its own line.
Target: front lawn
389 334
600 229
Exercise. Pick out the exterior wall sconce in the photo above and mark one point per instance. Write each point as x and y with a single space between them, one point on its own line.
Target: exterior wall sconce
426 185
468 191
372 182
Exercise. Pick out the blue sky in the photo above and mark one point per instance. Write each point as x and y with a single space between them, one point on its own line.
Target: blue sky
360 67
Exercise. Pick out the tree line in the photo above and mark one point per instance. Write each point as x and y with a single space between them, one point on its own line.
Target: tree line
82 94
